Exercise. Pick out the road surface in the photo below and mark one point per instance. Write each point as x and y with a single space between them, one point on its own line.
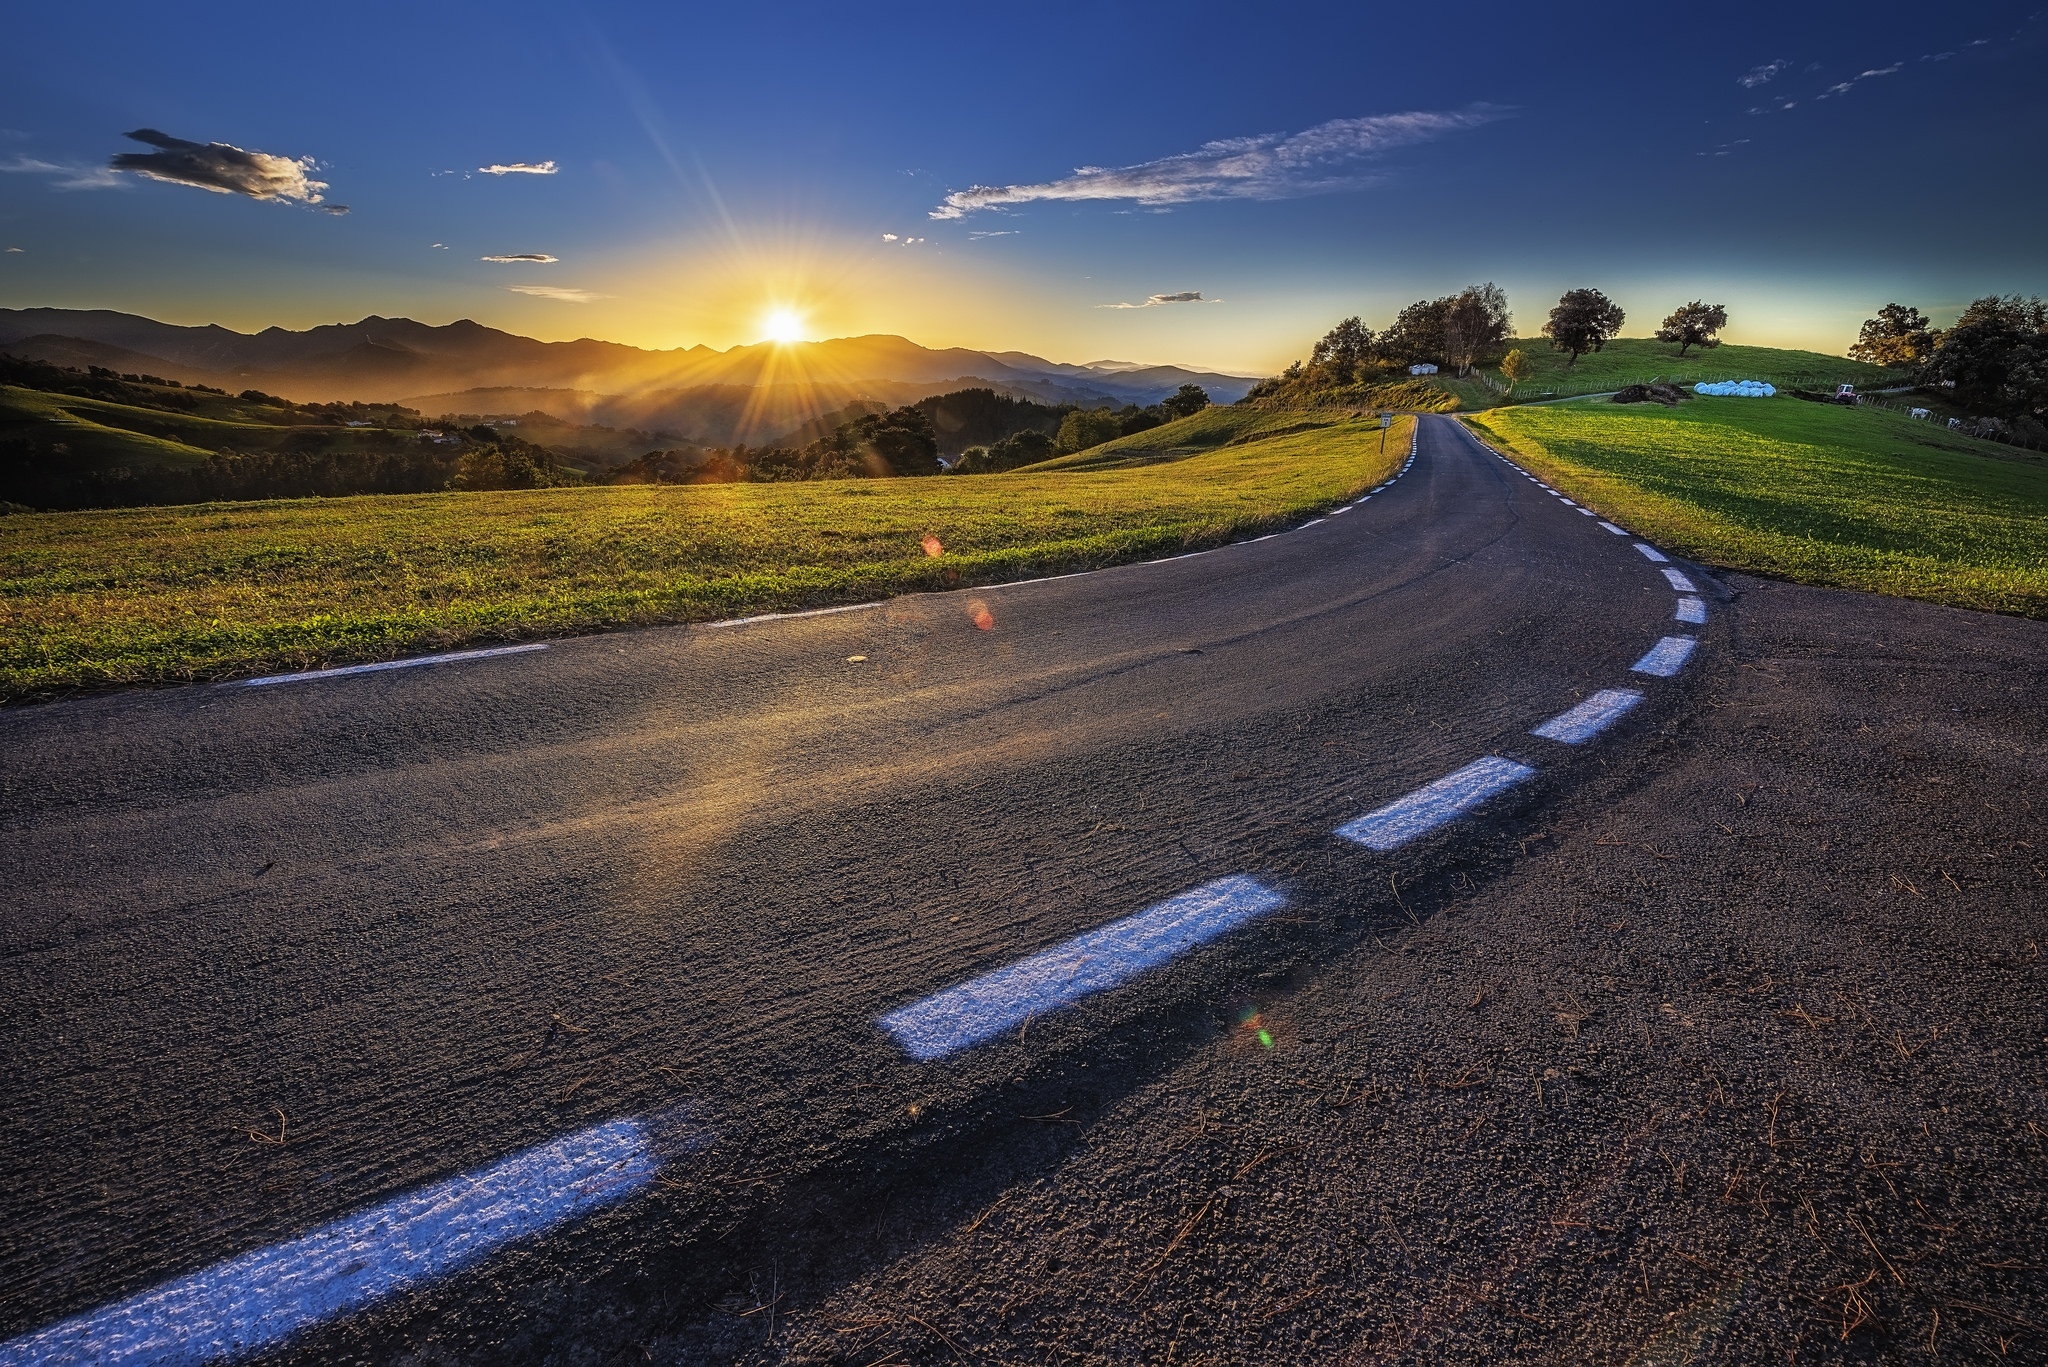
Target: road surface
499 1007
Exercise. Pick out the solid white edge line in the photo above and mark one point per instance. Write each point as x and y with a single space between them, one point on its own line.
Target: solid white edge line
383 666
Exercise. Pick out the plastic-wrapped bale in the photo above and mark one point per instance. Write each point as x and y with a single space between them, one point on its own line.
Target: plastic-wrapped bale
1736 389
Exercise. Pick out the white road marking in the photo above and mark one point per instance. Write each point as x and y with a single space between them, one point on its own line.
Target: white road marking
253 1302
1677 580
1587 512
816 611
985 1007
1345 509
1590 717
1316 523
1612 528
1430 806
1692 610
382 666
1650 552
1567 502
1666 657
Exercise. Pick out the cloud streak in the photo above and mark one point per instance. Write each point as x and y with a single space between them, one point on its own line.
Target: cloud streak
1761 75
519 168
1326 159
69 177
222 168
1184 297
560 293
519 258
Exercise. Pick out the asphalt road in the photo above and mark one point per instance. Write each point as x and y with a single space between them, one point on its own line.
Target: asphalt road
277 956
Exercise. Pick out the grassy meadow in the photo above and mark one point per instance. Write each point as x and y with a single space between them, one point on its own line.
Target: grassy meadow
102 432
1858 498
1638 360
214 590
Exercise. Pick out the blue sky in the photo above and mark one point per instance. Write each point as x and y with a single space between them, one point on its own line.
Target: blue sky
712 165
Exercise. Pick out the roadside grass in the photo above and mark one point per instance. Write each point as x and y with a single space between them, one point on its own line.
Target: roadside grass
204 591
1216 426
1638 360
1849 497
100 432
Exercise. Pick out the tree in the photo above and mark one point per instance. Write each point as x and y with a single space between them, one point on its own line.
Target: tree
1417 334
1997 355
1475 323
1583 321
1898 336
1346 346
1516 368
1694 325
1189 400
1086 427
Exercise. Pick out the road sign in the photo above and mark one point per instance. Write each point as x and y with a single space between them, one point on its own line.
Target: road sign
1386 419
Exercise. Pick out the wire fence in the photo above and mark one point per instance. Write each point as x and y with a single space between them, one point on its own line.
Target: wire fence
1986 429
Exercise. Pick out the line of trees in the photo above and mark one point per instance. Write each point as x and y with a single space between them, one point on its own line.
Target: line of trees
1995 357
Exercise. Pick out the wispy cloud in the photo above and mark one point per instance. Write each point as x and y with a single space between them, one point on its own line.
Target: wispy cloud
1844 87
562 293
222 168
515 258
1328 158
519 168
1184 297
69 176
979 233
1761 75
12 250
899 241
336 209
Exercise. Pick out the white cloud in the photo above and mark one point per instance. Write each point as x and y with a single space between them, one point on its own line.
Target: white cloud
519 168
562 293
222 168
1844 87
12 250
70 176
1761 75
522 258
1184 297
888 237
1322 160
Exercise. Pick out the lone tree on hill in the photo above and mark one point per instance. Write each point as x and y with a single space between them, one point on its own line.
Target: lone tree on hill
1516 367
1346 346
1694 325
1187 401
1583 321
1898 336
1475 324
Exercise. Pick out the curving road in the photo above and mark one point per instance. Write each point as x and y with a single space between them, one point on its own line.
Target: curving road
321 990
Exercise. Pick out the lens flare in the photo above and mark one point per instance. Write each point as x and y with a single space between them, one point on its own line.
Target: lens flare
932 546
978 613
1254 1024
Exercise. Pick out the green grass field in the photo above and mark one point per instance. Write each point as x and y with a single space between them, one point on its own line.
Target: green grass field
1636 360
1853 498
102 433
1217 426
213 590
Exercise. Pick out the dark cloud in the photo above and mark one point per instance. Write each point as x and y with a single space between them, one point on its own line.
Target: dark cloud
221 168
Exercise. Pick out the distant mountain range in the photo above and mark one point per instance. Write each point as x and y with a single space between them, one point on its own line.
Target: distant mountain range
747 393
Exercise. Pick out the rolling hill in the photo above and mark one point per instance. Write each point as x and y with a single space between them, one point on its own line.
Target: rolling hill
686 390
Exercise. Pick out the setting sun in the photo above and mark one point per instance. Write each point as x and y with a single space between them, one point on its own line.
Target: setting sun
783 325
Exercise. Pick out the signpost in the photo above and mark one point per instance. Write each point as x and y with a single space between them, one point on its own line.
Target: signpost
1386 421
